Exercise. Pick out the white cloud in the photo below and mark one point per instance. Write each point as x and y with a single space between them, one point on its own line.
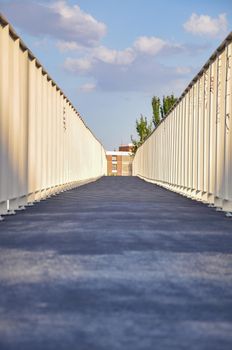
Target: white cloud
98 55
143 46
56 19
77 23
149 45
88 87
64 46
135 68
106 55
143 74
153 46
206 25
78 65
132 69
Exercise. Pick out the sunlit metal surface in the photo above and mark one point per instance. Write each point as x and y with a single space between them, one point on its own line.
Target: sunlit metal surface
45 147
190 152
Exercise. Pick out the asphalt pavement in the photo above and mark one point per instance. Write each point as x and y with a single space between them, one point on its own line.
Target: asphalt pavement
113 265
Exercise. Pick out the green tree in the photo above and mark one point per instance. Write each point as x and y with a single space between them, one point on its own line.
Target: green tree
168 102
160 110
144 129
156 110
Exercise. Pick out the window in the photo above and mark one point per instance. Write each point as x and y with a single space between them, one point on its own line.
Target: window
114 158
114 167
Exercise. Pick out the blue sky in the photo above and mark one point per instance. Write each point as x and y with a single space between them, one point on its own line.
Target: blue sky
111 56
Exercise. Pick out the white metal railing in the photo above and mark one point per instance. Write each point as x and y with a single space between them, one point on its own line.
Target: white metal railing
190 152
45 147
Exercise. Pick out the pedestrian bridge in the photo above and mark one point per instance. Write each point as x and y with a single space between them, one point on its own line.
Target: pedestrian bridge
116 264
119 263
45 146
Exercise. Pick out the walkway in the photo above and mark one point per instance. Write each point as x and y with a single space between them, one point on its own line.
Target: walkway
113 265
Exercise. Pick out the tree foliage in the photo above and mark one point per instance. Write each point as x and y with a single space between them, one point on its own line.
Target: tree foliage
155 102
161 110
168 102
144 129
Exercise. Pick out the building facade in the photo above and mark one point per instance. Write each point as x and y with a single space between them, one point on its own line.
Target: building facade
119 163
126 148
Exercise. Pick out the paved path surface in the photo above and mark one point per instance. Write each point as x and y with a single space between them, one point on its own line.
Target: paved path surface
116 264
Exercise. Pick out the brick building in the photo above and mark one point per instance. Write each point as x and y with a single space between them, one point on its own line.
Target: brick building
126 148
119 163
